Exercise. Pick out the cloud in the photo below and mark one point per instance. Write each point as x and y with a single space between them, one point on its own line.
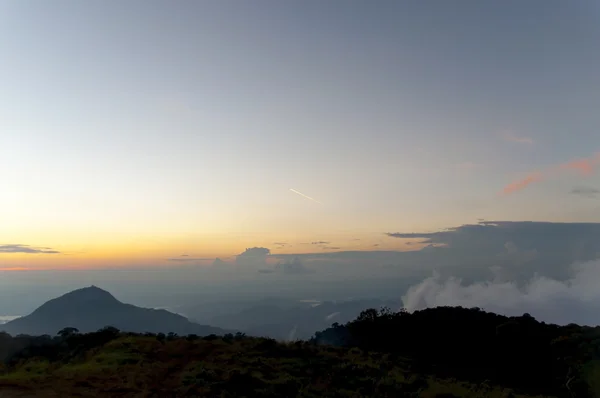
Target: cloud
522 184
586 192
293 266
320 242
330 248
522 248
483 233
499 250
332 315
18 248
219 263
511 137
576 299
255 257
584 167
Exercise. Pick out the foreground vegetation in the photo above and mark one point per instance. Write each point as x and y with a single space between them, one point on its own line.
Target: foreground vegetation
446 352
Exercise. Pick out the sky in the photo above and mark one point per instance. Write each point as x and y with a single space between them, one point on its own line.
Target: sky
132 133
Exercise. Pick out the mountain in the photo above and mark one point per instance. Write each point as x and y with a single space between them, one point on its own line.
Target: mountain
289 323
91 308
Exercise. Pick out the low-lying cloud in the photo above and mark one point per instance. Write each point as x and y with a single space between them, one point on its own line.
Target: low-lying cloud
574 300
185 259
18 248
293 266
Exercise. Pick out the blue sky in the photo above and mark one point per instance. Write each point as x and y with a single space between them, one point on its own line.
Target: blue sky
133 130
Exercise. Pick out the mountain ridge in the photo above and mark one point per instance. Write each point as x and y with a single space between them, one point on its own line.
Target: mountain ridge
91 308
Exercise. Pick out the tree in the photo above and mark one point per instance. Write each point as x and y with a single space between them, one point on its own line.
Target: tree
368 315
68 331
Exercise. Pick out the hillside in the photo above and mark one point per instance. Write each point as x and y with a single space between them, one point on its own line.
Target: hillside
150 366
447 350
470 344
92 308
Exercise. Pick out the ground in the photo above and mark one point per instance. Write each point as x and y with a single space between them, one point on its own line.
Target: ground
144 366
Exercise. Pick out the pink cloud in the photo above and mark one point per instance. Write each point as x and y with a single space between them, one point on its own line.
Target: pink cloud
585 167
582 166
522 184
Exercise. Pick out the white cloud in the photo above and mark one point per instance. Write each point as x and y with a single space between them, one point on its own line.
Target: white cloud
574 300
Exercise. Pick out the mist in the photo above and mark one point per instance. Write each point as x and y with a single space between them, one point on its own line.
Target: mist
575 300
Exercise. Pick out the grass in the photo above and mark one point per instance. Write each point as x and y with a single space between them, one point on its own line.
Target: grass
145 367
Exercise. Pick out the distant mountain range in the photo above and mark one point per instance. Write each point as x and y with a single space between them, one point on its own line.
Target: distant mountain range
91 308
281 320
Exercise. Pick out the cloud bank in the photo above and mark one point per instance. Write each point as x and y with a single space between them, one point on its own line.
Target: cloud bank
575 300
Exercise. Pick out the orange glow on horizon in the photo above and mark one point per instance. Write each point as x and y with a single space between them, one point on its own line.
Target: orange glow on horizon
13 269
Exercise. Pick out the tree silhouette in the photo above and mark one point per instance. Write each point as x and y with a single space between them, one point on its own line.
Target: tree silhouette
68 331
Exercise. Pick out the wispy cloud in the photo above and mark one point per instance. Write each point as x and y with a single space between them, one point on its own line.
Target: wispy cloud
583 167
511 137
522 184
586 192
18 248
320 242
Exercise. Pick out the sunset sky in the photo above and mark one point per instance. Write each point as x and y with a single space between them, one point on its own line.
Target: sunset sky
132 132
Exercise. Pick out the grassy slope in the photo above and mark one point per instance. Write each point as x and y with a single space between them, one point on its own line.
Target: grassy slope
137 366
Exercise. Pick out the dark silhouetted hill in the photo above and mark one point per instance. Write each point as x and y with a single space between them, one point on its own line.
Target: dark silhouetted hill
471 344
91 308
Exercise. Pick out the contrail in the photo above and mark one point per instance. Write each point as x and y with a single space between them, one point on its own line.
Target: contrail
307 197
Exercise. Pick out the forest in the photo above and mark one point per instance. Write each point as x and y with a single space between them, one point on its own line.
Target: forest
439 352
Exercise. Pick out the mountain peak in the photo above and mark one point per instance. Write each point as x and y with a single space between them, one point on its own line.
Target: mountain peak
91 293
92 308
